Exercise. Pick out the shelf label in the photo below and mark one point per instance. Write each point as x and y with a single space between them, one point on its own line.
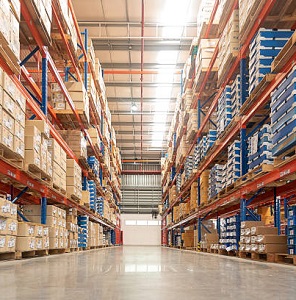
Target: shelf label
260 185
285 172
30 184
11 174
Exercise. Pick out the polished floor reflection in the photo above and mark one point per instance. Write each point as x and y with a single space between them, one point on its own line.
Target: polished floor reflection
140 273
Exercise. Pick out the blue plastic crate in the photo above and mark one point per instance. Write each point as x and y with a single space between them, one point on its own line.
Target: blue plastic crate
291 221
278 100
292 211
292 250
285 119
273 33
284 145
291 230
284 84
283 109
291 241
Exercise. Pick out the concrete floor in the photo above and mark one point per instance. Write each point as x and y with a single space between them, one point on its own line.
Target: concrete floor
140 273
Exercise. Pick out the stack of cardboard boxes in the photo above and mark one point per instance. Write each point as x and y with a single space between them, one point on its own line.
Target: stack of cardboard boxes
8 226
55 220
188 238
193 196
59 164
36 145
74 185
76 141
255 237
228 44
72 228
31 237
12 121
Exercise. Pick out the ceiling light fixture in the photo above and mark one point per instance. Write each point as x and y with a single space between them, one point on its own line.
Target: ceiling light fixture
134 107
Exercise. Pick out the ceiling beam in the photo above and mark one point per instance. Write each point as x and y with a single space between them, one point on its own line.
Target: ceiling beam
135 66
138 84
139 123
131 132
86 23
144 113
120 99
128 47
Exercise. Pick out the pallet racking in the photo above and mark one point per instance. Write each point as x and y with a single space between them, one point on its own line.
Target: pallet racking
264 188
56 54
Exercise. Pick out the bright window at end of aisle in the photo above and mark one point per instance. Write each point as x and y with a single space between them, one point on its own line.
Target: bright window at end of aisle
153 223
142 222
130 222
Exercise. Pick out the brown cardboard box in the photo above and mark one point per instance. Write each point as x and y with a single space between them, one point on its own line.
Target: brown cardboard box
39 230
32 158
50 221
272 248
11 227
31 143
39 243
26 229
8 121
71 219
7 137
45 242
35 210
3 246
53 243
249 224
41 125
54 232
10 243
263 230
25 243
271 239
19 147
211 238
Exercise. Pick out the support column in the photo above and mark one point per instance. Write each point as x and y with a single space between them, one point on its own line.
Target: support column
43 210
244 152
277 211
85 59
243 81
243 210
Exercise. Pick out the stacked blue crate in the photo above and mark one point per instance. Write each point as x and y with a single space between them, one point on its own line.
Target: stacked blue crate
188 166
224 114
265 46
82 222
233 163
230 233
92 188
236 95
113 237
291 230
100 206
224 176
259 148
211 138
196 157
215 180
94 165
283 115
178 182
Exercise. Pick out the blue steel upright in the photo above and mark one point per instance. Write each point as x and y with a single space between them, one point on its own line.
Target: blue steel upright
44 110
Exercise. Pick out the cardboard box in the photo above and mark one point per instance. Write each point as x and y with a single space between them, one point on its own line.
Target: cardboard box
53 243
272 248
54 232
35 210
33 158
32 143
271 239
25 243
249 224
39 230
41 125
7 209
8 103
39 243
10 243
19 147
263 230
7 137
45 242
26 229
11 227
50 221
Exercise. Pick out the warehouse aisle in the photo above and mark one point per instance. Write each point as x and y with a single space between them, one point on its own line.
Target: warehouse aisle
152 273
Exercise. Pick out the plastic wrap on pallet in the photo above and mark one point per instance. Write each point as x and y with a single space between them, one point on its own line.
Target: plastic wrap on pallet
264 47
92 188
94 165
82 222
215 180
100 206
291 230
230 233
283 115
259 147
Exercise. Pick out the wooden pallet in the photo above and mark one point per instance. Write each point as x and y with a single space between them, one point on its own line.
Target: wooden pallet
70 250
269 257
56 251
211 84
7 256
30 254
11 157
256 172
35 172
285 258
285 157
69 120
214 251
226 66
228 253
10 59
59 189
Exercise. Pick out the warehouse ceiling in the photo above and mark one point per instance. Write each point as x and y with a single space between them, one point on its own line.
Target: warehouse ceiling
141 111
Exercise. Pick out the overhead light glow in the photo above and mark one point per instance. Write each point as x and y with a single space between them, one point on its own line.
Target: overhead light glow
134 107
